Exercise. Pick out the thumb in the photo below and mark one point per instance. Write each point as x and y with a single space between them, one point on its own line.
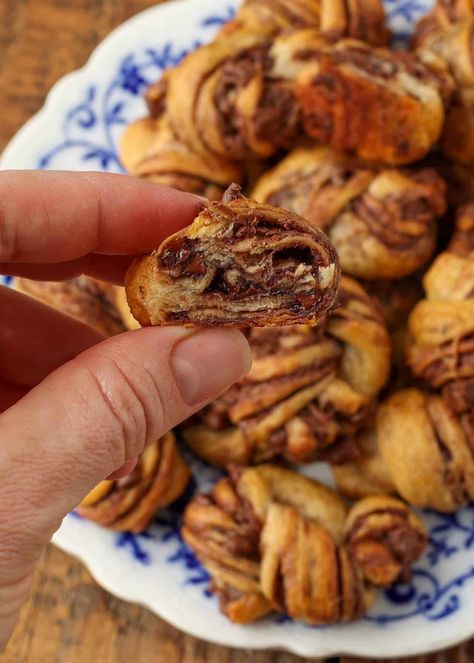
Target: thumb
89 417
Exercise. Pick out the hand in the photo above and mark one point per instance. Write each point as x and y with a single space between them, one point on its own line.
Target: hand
75 407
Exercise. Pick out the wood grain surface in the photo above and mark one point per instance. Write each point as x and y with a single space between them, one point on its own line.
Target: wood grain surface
69 618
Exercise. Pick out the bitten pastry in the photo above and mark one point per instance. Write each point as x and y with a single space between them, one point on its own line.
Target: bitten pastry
239 264
84 298
274 540
361 19
382 222
381 105
308 393
129 504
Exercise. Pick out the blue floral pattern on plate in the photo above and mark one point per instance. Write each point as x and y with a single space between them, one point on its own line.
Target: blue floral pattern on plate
425 595
90 131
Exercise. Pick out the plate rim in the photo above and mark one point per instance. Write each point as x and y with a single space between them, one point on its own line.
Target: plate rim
86 556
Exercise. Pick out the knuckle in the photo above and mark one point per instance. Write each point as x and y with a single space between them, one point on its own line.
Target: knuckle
130 399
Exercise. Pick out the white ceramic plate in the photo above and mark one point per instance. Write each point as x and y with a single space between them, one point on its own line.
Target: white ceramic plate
78 129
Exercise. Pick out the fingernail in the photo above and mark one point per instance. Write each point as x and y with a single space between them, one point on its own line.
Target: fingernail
207 363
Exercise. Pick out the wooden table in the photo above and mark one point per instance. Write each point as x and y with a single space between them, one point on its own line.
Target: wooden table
69 618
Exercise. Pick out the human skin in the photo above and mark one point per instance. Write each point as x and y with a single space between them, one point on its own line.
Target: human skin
76 408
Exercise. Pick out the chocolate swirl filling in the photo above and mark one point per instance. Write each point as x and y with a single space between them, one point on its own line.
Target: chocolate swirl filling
240 264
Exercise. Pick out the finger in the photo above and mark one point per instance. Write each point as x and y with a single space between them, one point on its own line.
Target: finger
98 411
126 469
10 394
60 216
36 339
107 268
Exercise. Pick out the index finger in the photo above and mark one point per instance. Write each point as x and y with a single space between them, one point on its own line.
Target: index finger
52 217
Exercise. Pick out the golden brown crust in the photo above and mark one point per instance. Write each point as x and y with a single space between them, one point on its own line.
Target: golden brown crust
308 393
232 99
366 475
452 39
271 17
384 538
275 540
462 242
383 106
424 442
129 504
239 264
445 14
426 450
442 326
382 222
361 19
149 149
88 300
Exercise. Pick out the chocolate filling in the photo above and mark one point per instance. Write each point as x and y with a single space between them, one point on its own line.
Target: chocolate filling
437 365
235 75
404 542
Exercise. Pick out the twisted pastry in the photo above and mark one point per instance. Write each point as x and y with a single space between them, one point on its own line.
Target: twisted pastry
453 44
381 222
368 473
435 467
86 299
444 15
361 19
308 393
238 264
234 97
397 299
384 538
275 540
381 105
128 504
442 326
149 149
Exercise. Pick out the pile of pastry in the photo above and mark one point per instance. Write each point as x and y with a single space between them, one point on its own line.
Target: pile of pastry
304 105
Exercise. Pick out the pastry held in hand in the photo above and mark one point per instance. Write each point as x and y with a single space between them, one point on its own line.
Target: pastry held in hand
239 264
129 504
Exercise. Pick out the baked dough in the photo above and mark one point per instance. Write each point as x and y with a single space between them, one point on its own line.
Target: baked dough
239 264
381 221
308 393
129 504
273 540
